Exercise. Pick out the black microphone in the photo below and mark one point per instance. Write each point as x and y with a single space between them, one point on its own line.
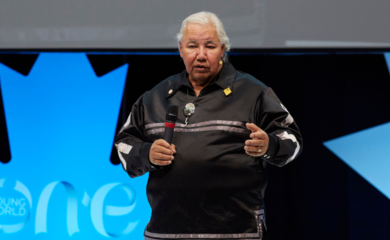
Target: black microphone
170 122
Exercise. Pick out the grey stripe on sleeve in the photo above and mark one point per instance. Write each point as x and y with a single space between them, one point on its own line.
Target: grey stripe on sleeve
202 235
201 129
200 124
127 123
289 119
123 148
284 135
123 161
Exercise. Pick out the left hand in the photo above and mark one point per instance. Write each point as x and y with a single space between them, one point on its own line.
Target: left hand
259 140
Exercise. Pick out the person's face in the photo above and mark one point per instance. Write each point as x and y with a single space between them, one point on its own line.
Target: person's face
201 51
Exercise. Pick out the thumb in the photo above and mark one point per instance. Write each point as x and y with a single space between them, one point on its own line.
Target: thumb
253 127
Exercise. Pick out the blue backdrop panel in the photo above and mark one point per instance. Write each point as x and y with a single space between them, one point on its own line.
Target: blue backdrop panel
60 184
387 58
368 153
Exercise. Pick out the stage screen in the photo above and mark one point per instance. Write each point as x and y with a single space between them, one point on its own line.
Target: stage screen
144 24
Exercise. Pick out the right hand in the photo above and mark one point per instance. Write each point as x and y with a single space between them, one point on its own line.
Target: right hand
161 153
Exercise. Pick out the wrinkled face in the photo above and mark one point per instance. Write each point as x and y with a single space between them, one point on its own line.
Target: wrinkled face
201 51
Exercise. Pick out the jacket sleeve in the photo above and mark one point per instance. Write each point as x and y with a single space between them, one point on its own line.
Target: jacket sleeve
285 140
133 150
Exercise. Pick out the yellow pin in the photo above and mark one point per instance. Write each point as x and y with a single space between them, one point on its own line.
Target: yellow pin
227 91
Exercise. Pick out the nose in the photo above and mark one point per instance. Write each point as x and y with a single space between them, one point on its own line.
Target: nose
201 56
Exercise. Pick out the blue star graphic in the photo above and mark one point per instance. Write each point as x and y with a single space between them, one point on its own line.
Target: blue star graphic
373 164
61 121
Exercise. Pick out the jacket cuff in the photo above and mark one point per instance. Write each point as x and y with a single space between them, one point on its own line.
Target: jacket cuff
273 145
145 149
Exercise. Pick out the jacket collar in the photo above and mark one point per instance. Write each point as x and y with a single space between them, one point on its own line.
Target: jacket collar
224 79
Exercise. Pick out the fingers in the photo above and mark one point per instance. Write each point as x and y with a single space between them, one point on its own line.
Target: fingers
163 150
173 148
253 146
256 131
162 143
255 154
256 142
256 148
253 149
258 145
253 127
162 157
161 153
162 163
259 135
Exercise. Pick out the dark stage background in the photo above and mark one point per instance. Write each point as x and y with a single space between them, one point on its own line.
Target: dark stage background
317 196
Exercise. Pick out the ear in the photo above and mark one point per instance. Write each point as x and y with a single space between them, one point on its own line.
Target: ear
180 49
223 50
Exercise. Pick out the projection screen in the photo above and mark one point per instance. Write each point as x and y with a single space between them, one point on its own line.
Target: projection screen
144 24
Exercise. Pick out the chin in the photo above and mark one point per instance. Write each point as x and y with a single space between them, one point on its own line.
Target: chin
201 79
201 76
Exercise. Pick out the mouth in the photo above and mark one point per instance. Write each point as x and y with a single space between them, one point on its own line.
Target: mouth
201 68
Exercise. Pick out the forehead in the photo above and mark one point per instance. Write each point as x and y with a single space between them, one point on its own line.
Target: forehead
198 32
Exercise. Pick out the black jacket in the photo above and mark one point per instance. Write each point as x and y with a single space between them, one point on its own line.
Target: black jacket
212 187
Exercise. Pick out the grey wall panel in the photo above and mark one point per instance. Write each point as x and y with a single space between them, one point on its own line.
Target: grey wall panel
154 23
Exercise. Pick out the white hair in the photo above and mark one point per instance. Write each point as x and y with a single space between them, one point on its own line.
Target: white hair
205 18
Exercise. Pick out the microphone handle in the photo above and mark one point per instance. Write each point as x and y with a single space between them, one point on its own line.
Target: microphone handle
168 134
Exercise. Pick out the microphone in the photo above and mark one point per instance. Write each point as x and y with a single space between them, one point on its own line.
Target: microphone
170 122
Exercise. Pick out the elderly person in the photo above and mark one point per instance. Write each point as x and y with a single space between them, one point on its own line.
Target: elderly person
210 182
